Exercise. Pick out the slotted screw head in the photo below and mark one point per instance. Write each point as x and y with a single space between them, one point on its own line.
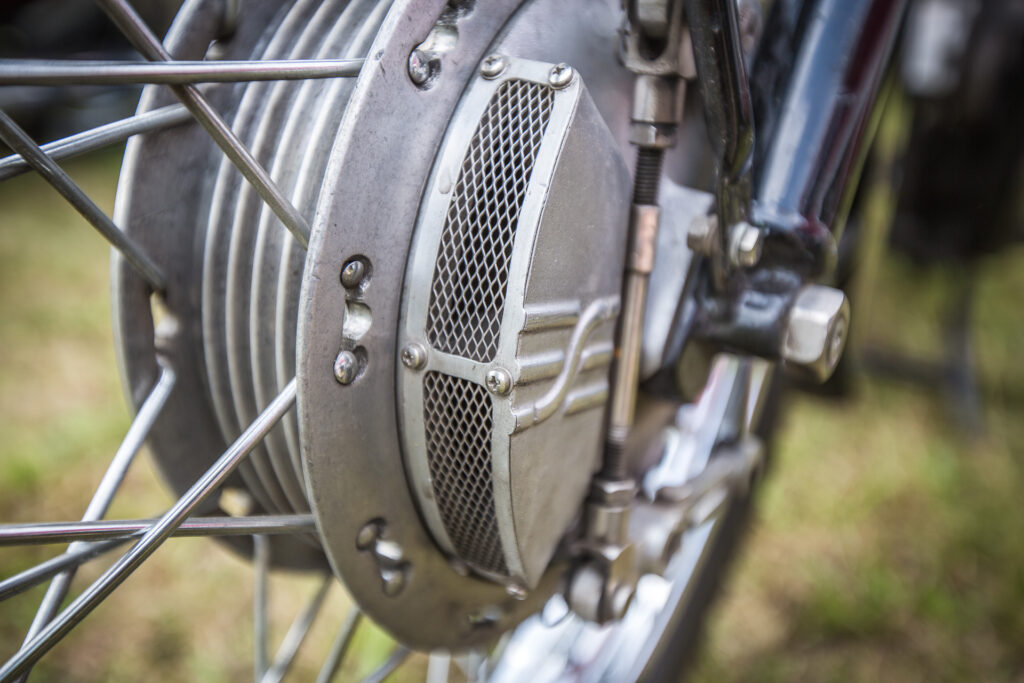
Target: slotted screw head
493 66
346 365
413 356
353 273
560 75
499 381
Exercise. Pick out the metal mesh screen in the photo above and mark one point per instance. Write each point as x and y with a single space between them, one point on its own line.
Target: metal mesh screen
457 417
468 292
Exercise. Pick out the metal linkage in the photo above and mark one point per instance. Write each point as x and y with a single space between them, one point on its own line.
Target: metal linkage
99 137
153 537
20 142
66 72
603 584
61 532
143 40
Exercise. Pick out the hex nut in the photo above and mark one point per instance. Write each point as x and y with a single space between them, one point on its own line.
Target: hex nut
816 330
746 244
700 236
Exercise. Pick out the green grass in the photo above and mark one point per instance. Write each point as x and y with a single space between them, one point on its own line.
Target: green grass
887 546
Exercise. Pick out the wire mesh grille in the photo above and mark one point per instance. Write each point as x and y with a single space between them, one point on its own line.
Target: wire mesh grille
457 417
468 292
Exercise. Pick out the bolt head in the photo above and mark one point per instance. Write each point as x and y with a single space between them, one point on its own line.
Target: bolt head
493 66
498 381
746 244
560 76
369 533
516 592
816 331
619 601
392 580
413 356
420 67
352 273
346 366
700 236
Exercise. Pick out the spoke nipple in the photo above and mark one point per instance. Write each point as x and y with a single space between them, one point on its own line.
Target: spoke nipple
352 273
493 66
560 76
422 67
346 367
414 356
393 580
498 381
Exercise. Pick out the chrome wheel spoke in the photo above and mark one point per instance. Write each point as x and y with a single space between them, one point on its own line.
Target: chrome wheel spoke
297 633
153 537
340 646
62 532
139 35
20 142
70 559
67 72
260 616
108 486
99 137
395 660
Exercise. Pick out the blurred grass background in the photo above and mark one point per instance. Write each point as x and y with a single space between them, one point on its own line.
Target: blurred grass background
887 545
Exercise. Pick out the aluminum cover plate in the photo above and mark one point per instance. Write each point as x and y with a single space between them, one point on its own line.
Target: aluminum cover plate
516 268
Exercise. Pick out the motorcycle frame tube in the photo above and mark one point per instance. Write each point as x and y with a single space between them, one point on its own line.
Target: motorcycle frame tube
816 132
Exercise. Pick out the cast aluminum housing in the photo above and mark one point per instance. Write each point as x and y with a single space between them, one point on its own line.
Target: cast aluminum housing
512 290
